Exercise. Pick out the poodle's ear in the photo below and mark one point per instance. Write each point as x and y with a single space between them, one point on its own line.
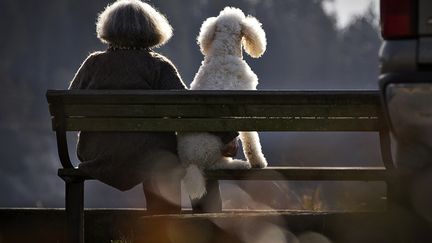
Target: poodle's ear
206 35
254 38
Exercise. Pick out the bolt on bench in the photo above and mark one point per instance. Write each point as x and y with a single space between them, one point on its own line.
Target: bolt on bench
137 111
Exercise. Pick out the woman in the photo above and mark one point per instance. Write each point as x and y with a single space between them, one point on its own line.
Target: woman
131 29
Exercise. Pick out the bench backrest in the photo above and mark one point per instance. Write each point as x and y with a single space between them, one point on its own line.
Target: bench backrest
137 110
215 110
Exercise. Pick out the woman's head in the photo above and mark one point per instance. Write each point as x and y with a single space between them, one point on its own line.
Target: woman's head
132 23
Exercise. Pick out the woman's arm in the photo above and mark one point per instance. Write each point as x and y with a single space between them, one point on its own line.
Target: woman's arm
169 77
81 78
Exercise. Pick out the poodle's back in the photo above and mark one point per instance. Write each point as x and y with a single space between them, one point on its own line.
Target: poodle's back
224 73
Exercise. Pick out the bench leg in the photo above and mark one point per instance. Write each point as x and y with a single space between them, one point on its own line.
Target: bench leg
74 231
211 202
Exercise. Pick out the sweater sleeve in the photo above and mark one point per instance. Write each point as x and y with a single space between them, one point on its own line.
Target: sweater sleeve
81 77
170 77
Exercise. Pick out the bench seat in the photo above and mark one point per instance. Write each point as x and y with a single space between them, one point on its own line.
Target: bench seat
283 173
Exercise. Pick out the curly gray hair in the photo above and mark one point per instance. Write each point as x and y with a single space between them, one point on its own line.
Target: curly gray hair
132 23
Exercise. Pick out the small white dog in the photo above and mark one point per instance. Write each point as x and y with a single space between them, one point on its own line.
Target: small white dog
221 39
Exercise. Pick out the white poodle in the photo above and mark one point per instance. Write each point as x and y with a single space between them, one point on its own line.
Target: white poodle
221 39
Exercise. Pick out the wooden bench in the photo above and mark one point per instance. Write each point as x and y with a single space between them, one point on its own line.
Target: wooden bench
136 111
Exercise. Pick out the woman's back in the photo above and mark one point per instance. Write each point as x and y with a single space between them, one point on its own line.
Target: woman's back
127 69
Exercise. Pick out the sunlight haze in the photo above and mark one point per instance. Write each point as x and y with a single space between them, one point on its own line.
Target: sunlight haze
346 9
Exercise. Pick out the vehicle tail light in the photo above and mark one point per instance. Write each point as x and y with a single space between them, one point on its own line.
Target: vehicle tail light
398 18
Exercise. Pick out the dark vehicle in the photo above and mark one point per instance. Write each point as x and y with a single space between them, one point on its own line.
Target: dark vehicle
406 87
406 79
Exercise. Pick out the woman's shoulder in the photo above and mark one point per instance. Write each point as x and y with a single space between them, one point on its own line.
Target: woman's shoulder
164 63
95 55
160 58
92 57
86 68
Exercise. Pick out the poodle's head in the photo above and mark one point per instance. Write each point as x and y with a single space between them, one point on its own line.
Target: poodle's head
132 23
229 32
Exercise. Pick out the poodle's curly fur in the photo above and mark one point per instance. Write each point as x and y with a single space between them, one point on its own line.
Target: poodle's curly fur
221 40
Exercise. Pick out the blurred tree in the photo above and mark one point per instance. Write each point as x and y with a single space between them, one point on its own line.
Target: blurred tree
359 65
302 39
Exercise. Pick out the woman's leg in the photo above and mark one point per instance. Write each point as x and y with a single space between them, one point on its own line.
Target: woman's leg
157 203
162 187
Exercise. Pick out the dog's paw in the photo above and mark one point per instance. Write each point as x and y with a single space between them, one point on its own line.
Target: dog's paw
247 166
243 166
259 163
239 165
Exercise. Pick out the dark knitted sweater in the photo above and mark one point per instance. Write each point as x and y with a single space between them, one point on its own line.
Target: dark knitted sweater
127 69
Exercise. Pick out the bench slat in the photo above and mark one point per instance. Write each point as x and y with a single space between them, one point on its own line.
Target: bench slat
285 173
222 124
221 110
363 97
303 173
